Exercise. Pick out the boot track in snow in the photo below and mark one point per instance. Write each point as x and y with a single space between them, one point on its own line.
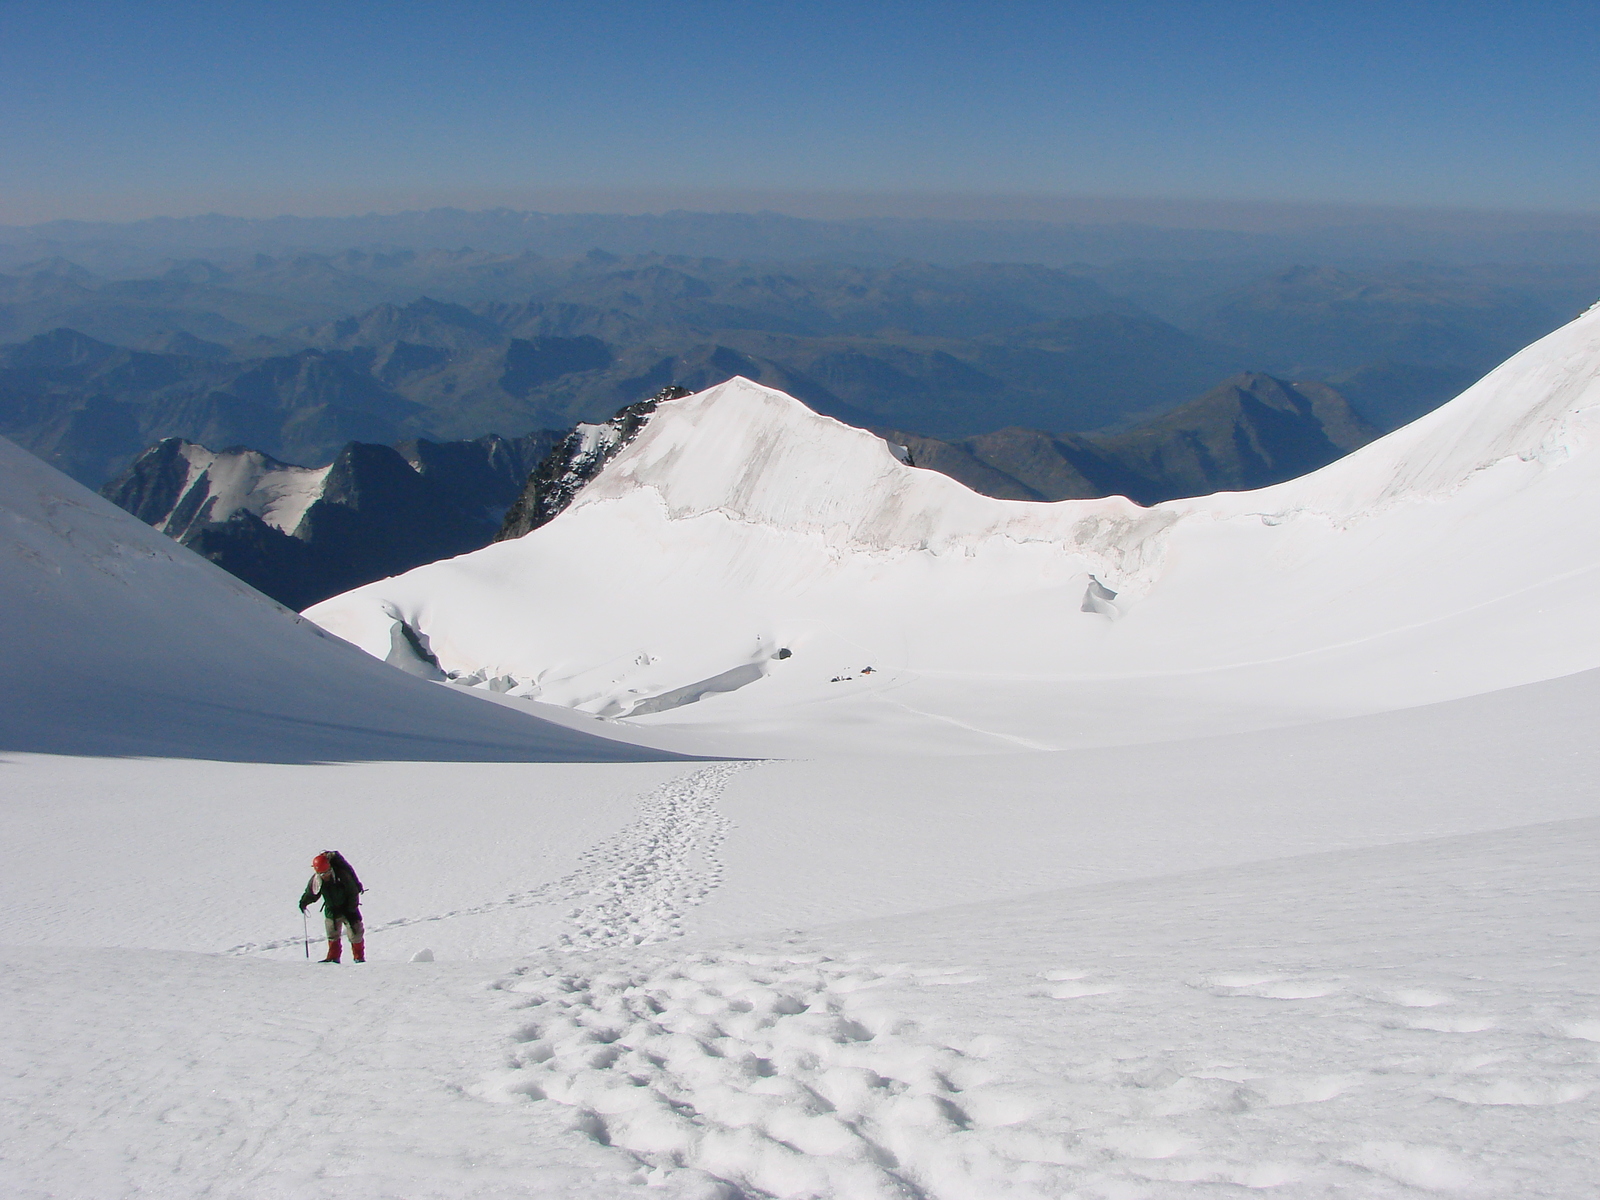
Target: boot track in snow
634 887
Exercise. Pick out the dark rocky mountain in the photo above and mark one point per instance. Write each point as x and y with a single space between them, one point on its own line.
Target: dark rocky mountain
574 461
176 341
948 350
1247 432
302 534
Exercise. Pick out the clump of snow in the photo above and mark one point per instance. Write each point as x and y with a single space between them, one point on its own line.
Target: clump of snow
1430 1168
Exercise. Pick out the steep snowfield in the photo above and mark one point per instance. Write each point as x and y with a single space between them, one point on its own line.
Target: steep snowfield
1453 557
120 642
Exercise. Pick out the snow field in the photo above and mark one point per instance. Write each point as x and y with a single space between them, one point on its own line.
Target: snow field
1373 1020
122 643
1451 558
1387 1022
637 886
132 1073
633 888
776 1075
469 860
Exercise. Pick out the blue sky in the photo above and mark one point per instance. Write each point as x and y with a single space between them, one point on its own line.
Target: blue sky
128 109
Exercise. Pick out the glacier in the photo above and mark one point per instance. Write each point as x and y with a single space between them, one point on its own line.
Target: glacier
1450 558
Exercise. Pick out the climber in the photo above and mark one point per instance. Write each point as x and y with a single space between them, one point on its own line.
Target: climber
334 881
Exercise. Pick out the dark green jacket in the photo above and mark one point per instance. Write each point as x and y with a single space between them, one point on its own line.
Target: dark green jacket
339 899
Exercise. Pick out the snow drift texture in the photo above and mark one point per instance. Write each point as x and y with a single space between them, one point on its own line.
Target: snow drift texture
121 642
1452 557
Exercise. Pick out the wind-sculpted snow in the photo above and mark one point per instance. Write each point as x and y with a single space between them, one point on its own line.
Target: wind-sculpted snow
1456 556
119 641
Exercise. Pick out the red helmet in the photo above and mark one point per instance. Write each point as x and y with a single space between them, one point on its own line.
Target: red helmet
321 865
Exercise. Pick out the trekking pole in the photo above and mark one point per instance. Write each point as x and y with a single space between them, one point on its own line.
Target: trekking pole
305 924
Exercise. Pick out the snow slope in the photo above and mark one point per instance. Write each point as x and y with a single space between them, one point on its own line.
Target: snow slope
1346 959
118 641
1453 557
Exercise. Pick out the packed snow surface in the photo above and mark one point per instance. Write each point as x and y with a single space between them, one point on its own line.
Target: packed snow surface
1349 959
736 570
119 641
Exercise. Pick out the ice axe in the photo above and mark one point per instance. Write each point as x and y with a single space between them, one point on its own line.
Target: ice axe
305 924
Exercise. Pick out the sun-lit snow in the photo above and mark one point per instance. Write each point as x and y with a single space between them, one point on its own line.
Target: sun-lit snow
246 481
1337 957
1455 556
1346 959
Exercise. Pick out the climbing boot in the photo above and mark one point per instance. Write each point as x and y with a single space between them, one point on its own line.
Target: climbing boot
335 950
358 951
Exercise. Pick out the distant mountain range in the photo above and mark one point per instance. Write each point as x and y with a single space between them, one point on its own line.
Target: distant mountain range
1247 432
88 407
1352 235
355 396
265 354
302 534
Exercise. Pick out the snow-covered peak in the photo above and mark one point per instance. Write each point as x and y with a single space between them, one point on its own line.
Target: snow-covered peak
742 561
761 457
241 480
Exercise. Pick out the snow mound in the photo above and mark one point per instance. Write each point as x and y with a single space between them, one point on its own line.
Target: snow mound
781 582
121 642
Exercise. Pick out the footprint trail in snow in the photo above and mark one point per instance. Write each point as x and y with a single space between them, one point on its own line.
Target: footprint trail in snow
732 1075
746 1075
634 887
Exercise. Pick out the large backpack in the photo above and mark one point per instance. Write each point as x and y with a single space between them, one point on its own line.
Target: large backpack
343 871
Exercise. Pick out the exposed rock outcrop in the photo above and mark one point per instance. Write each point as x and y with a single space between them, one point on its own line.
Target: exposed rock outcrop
574 461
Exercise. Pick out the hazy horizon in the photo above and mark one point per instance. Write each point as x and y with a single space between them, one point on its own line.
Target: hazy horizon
1196 112
1177 212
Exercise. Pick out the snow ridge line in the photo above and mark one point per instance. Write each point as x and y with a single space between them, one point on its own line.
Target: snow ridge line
634 887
